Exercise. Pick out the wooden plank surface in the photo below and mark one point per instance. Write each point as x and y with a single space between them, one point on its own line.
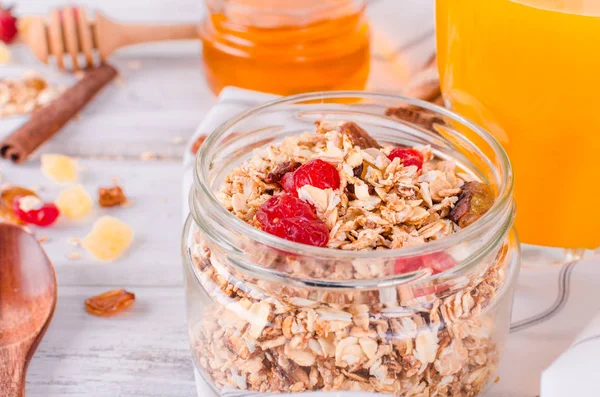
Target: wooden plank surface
145 352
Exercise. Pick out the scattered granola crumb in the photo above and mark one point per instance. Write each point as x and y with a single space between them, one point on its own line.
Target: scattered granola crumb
43 239
119 82
111 196
73 255
37 188
23 95
197 143
74 241
134 65
178 140
77 117
115 180
497 379
148 156
127 203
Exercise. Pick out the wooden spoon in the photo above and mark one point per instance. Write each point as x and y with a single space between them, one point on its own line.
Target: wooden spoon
27 301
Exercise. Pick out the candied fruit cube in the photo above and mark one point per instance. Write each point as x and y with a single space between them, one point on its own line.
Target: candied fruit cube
108 239
74 202
59 168
5 55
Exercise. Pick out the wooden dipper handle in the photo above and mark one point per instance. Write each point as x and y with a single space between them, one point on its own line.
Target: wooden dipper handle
47 121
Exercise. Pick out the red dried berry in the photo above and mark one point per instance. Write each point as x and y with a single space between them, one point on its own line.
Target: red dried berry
287 182
407 156
288 217
437 262
44 216
8 25
317 173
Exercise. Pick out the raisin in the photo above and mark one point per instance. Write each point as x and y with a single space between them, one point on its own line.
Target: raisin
358 136
111 196
475 199
358 170
8 194
280 170
109 303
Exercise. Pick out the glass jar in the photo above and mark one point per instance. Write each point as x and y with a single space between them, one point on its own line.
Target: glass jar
256 324
286 47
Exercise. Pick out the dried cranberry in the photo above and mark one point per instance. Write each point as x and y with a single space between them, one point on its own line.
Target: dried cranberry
288 217
407 156
317 173
42 214
287 182
437 262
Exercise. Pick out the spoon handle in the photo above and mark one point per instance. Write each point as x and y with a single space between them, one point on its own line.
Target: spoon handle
12 376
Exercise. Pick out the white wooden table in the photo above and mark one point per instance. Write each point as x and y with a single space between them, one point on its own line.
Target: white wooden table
143 352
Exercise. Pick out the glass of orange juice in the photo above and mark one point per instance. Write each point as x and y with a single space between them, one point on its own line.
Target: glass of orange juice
529 71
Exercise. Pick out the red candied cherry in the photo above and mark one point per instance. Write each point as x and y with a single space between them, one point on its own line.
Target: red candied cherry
317 173
437 262
407 156
287 182
8 25
288 217
31 209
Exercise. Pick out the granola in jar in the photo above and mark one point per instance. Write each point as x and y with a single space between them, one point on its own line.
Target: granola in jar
424 324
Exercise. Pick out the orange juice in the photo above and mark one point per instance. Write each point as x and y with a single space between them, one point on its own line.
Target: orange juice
529 72
286 46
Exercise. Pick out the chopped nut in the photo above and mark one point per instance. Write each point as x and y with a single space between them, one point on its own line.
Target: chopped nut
111 196
358 136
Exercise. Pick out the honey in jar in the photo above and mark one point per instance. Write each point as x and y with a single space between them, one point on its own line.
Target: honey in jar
286 46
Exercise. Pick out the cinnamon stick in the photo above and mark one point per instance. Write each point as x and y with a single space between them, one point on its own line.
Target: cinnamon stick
47 121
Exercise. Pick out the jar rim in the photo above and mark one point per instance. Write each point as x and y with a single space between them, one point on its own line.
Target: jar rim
320 8
499 216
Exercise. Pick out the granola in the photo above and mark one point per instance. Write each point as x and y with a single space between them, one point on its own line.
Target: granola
435 339
24 95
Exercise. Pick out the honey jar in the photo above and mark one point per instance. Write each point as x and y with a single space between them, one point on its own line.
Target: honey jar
286 46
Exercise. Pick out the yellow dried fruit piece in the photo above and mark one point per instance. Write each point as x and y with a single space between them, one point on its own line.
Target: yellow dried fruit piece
59 168
108 239
74 202
5 55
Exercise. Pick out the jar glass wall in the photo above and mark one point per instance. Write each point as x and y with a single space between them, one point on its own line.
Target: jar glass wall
257 324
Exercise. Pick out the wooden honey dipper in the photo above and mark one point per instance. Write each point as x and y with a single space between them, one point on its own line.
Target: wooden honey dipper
74 39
